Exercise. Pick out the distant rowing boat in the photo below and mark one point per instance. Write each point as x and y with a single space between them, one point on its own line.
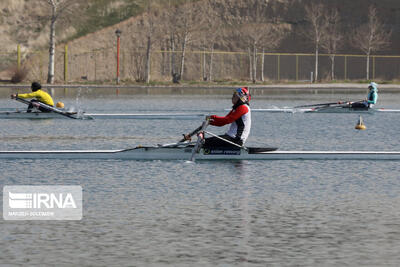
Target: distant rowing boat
86 116
326 110
40 115
56 113
185 152
333 107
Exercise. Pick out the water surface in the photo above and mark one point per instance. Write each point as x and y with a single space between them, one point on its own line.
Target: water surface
248 213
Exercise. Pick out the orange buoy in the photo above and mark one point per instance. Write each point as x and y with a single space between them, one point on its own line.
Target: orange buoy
360 125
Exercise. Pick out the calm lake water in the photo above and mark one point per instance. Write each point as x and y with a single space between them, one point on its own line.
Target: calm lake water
249 213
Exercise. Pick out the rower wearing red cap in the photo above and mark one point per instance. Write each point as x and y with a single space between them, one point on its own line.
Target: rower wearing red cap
239 118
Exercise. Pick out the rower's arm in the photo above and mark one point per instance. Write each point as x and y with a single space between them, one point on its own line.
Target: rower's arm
231 117
30 95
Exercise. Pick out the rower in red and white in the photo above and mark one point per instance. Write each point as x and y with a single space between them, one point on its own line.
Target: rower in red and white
239 119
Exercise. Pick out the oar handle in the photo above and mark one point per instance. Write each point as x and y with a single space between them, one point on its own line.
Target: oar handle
191 134
198 129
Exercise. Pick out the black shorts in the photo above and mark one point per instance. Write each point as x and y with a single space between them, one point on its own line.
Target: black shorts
30 107
217 142
359 105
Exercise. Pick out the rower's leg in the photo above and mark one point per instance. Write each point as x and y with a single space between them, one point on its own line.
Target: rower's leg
43 109
30 106
217 142
359 105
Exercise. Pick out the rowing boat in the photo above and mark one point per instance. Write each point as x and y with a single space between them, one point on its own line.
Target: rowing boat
85 116
40 115
333 107
327 110
184 150
54 113
185 153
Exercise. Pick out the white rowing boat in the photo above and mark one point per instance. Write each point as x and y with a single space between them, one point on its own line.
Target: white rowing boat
85 116
326 110
53 113
184 150
40 115
333 107
185 153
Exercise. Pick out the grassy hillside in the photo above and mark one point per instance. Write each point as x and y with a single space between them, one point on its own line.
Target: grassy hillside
103 13
26 22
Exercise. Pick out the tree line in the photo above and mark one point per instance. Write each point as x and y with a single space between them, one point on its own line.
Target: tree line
253 26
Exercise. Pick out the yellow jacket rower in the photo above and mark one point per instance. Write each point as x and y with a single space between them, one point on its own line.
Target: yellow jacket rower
39 95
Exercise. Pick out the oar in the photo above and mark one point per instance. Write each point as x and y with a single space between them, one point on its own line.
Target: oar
315 105
47 107
183 140
342 105
199 139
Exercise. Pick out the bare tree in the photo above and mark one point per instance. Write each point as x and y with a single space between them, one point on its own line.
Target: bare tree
252 31
189 23
169 28
255 29
183 24
261 37
316 16
211 33
58 8
371 36
149 26
138 60
273 35
332 38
